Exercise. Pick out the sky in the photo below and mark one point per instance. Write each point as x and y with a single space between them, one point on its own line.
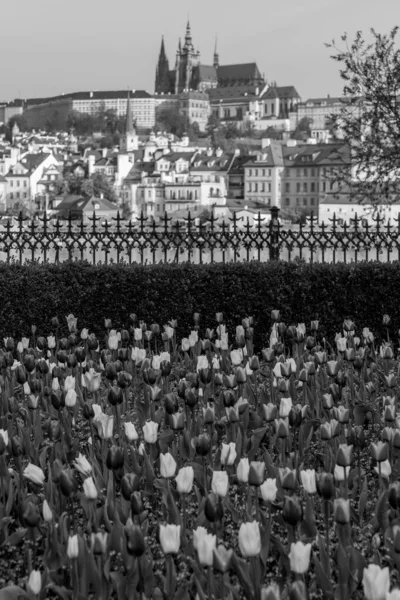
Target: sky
49 48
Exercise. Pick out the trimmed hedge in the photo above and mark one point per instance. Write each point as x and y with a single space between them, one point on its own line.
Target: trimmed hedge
33 293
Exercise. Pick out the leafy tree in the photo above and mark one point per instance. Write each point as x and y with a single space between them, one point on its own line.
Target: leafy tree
96 185
369 119
249 129
172 121
272 133
303 129
213 124
20 120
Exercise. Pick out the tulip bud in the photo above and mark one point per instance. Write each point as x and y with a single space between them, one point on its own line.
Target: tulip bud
394 495
167 465
299 557
67 483
269 490
73 547
203 444
220 483
341 511
288 478
115 395
177 421
250 539
213 508
222 558
256 473
34 582
31 514
242 470
99 541
292 510
379 451
184 480
170 538
344 457
135 543
137 506
115 458
89 489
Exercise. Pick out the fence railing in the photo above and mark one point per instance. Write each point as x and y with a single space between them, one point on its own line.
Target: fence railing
147 240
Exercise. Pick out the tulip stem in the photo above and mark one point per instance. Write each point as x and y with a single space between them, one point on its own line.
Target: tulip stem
210 582
205 476
184 517
222 589
346 489
326 511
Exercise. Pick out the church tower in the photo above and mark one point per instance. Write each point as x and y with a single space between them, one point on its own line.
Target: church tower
129 141
216 56
187 58
162 85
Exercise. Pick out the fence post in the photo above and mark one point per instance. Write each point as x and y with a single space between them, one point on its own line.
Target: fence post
274 233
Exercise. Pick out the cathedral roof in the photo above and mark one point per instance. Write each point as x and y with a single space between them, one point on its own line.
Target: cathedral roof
232 92
207 73
286 91
240 71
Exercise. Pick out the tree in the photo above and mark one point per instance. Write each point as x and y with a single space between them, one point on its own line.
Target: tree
369 118
19 120
98 184
303 129
172 121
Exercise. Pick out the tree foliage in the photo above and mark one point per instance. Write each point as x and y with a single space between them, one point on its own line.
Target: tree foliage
303 129
369 119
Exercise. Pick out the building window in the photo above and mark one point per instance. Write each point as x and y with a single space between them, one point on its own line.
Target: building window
298 172
287 188
256 187
305 172
250 172
269 172
269 187
312 201
305 201
263 172
304 187
312 172
298 201
287 201
256 172
262 187
313 186
297 187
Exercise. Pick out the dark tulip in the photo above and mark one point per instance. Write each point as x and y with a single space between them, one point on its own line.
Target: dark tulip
181 389
292 510
137 506
56 469
310 342
394 495
295 418
115 458
150 376
166 368
335 391
110 371
268 355
54 430
10 344
171 403
72 340
124 379
35 385
218 379
57 372
3 445
125 337
56 400
41 343
16 446
129 484
92 342
123 354
133 318
9 359
31 514
46 391
115 395
20 375
229 398
135 543
118 366
63 344
213 509
326 486
279 348
190 398
193 379
42 366
67 483
155 328
55 322
72 361
203 444
62 356
177 421
80 354
88 412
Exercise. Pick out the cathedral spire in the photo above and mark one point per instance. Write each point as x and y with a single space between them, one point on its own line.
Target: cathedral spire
129 122
162 84
188 37
216 55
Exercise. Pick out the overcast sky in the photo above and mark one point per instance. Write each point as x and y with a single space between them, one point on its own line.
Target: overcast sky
48 47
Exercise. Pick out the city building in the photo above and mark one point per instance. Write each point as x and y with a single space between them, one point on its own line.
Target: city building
346 212
263 175
39 112
10 109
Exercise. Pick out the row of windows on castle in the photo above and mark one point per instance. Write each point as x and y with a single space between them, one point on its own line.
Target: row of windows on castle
312 172
303 188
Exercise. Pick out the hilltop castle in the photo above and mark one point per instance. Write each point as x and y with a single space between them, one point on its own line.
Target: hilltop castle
190 74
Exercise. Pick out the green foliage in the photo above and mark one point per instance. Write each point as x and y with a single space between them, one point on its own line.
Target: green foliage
33 293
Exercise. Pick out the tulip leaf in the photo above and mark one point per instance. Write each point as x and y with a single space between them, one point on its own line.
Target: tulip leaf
357 564
323 555
149 473
13 592
60 591
243 572
119 583
256 439
16 538
266 542
380 519
170 578
182 593
343 566
323 580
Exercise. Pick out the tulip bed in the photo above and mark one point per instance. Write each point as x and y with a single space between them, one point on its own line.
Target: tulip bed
142 466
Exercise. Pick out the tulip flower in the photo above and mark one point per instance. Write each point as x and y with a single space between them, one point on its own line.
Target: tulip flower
341 473
285 407
393 595
150 430
135 542
242 470
47 512
205 545
82 465
73 547
269 490
379 451
105 425
3 439
228 453
271 592
384 469
89 489
237 357
220 483
250 539
184 480
341 511
34 582
130 432
170 538
34 474
270 412
376 582
222 558
256 473
91 380
69 383
344 456
299 557
308 481
70 398
99 541
167 465
288 478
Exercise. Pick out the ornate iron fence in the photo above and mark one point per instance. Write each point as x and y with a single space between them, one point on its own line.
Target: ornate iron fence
149 241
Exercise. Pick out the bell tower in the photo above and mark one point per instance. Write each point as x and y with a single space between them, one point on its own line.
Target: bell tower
129 140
